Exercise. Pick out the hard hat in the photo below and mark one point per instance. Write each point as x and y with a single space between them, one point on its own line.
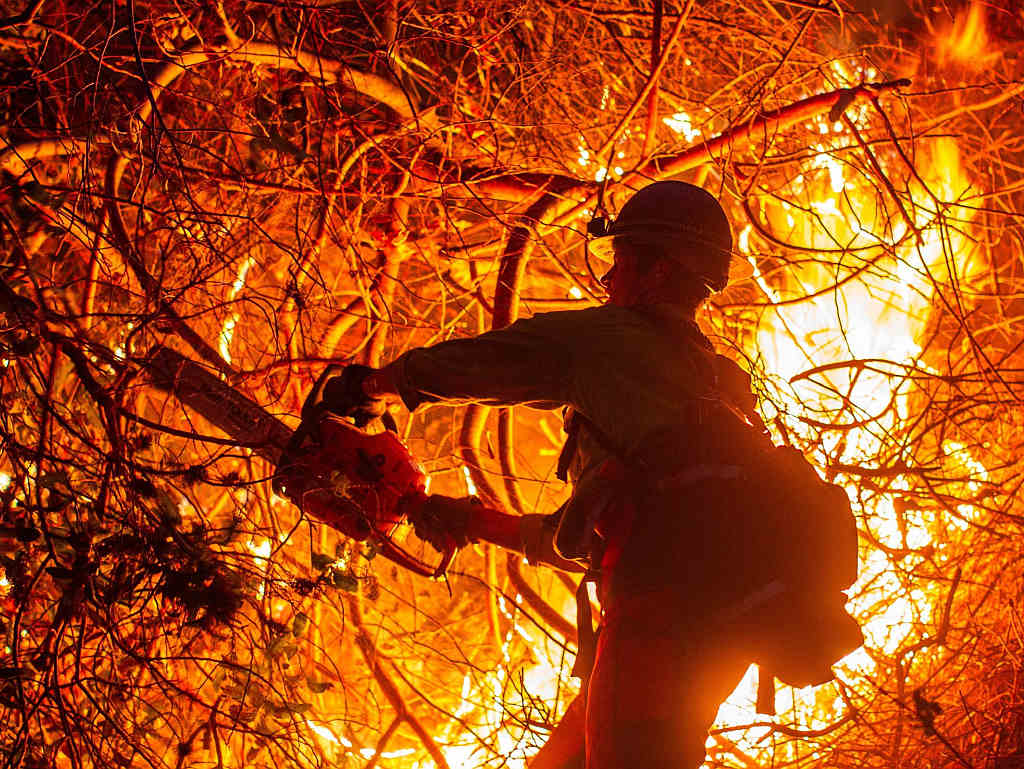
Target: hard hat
686 221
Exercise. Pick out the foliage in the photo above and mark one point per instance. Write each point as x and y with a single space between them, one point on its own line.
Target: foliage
269 186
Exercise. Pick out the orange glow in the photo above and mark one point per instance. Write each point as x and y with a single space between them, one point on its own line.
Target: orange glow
871 317
965 42
267 190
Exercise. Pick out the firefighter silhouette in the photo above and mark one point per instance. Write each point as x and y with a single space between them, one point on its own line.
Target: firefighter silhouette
710 548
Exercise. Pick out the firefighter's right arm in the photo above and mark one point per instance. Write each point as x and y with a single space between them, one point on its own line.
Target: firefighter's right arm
468 520
530 361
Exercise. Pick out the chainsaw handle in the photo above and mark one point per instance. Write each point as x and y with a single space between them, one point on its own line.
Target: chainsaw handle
339 390
393 552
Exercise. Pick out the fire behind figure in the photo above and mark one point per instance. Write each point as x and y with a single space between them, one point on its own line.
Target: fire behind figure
711 549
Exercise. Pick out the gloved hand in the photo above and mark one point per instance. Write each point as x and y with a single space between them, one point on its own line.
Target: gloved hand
344 395
440 519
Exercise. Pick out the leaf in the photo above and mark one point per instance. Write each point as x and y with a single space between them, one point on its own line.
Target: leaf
169 512
26 534
25 346
319 687
256 149
52 480
281 144
320 561
344 581
288 708
299 624
37 192
276 646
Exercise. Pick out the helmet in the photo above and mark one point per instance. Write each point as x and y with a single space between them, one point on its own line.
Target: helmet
685 220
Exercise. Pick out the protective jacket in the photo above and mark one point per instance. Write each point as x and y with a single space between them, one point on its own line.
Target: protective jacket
630 373
644 385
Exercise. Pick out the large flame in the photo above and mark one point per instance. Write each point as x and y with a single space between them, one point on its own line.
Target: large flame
865 311
965 41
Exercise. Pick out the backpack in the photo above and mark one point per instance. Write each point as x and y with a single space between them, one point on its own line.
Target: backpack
807 523
807 628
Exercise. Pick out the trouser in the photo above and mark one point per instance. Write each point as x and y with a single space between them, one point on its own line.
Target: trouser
663 665
657 683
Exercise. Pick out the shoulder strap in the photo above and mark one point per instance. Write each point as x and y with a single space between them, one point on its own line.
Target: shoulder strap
734 387
574 421
572 439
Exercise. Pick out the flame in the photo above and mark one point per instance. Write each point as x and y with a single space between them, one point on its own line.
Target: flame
966 41
262 550
681 123
5 481
326 734
878 315
470 486
227 332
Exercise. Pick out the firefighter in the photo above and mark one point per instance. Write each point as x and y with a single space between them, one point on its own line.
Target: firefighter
657 516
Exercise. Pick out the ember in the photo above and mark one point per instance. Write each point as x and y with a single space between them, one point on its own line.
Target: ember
270 187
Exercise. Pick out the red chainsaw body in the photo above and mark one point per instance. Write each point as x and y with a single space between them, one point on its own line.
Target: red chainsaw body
353 481
364 485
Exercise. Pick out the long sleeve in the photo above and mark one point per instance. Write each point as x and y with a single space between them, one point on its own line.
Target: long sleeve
528 362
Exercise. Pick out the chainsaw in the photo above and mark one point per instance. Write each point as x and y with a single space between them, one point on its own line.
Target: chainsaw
361 484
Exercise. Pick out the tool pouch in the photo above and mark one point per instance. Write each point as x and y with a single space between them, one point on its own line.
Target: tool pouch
597 491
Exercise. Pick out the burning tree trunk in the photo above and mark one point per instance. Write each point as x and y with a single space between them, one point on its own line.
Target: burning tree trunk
269 187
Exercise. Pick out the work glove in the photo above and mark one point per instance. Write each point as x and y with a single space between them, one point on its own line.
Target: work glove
344 395
441 519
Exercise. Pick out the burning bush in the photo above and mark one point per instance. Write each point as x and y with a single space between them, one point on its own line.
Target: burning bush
269 187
